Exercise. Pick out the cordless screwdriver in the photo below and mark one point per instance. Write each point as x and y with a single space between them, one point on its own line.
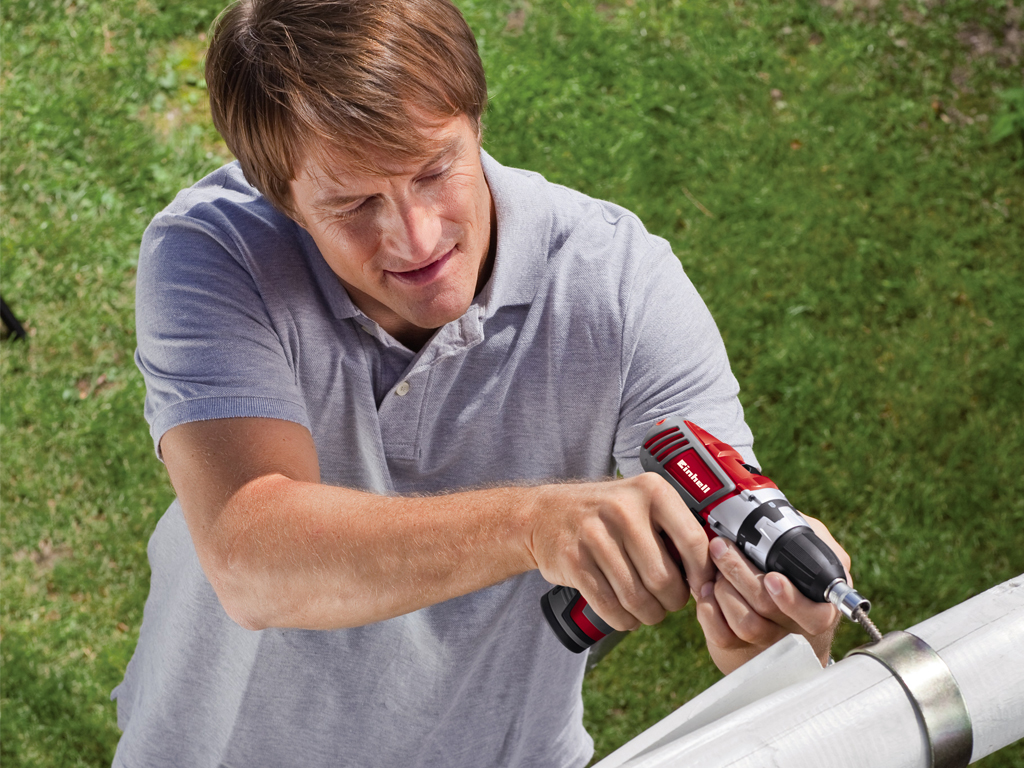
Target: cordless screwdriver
732 499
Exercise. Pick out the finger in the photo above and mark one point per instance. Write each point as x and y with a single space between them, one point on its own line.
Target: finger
671 514
713 622
601 596
811 618
630 590
745 577
658 571
746 623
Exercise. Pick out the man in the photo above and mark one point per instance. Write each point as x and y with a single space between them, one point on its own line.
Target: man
374 316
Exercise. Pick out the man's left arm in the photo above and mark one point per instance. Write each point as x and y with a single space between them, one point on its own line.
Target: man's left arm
675 362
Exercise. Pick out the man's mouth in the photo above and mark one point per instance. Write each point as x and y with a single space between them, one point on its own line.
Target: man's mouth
423 275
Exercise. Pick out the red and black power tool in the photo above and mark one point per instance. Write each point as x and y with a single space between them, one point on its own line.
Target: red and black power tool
730 499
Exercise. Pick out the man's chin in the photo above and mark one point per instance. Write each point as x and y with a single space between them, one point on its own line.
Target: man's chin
438 315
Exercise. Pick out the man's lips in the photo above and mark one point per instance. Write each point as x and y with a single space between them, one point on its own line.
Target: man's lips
423 275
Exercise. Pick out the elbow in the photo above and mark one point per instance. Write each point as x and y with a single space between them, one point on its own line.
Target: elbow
259 587
240 599
239 584
244 618
256 603
237 575
252 612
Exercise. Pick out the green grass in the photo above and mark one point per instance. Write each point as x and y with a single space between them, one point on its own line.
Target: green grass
843 183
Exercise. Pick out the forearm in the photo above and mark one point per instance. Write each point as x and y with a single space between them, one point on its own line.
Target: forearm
300 554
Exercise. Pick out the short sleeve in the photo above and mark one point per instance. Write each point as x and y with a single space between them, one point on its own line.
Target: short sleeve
208 345
673 361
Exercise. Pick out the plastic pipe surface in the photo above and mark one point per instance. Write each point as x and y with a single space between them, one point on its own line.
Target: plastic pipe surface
857 714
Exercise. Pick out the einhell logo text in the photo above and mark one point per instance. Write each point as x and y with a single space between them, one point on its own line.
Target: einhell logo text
685 468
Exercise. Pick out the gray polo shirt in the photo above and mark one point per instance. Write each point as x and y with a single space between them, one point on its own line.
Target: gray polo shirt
586 333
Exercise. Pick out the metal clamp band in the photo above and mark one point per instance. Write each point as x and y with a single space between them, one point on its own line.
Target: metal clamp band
932 691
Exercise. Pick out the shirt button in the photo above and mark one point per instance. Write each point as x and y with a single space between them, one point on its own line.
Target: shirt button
402 389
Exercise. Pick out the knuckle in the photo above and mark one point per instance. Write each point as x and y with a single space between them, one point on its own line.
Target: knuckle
590 588
633 598
763 604
729 641
616 511
765 611
641 604
591 531
659 494
729 567
661 579
676 599
569 553
650 482
654 616
750 628
692 536
608 608
603 596
665 497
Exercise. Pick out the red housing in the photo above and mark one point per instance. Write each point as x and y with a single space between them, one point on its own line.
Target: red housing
689 467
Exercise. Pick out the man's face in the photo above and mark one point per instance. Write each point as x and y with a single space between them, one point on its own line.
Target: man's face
410 247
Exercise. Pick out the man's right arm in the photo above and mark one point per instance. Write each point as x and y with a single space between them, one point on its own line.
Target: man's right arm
281 549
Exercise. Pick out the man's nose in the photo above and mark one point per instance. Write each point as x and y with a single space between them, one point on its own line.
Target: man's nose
419 231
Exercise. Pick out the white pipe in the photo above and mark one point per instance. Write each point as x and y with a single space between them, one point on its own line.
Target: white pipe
788 662
857 714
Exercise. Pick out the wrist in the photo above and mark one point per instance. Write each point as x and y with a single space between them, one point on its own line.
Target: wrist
822 645
526 507
549 531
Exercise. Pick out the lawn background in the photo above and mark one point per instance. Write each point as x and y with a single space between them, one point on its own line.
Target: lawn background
841 180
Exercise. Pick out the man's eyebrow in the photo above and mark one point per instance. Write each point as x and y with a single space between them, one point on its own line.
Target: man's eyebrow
333 200
450 147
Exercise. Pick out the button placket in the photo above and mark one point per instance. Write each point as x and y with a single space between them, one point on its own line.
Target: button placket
401 412
400 415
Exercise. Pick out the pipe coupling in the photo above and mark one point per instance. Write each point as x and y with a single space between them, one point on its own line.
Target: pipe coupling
933 692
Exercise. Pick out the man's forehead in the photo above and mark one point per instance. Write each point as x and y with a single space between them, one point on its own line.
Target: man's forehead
331 171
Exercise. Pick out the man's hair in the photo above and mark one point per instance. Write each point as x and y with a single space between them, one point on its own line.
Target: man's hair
297 79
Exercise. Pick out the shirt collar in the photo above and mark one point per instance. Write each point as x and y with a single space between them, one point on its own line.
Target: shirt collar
334 292
524 235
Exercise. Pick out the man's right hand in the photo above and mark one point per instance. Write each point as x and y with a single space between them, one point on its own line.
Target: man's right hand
604 540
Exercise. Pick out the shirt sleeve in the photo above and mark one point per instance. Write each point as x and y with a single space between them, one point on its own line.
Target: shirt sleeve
673 361
207 344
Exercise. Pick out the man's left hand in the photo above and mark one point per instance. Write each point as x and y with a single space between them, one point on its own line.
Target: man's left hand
744 611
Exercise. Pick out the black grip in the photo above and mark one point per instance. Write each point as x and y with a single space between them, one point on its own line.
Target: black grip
807 561
568 634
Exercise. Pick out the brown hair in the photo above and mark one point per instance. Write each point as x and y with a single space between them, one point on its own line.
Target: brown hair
290 79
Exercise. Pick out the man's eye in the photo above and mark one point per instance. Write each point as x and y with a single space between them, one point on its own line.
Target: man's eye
351 212
437 175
